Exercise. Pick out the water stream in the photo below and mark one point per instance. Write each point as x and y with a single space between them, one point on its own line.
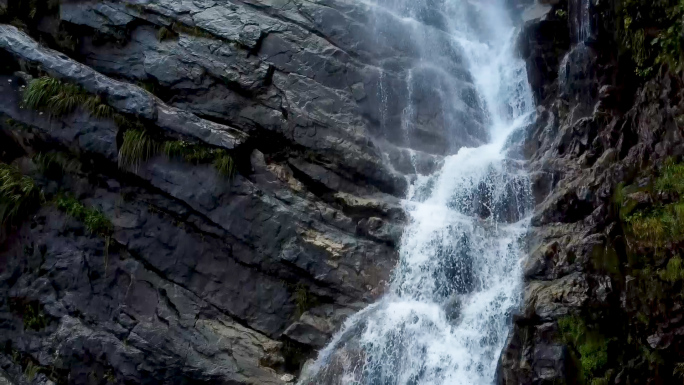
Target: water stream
446 314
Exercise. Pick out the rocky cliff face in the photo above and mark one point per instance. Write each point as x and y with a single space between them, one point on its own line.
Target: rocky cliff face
200 192
603 280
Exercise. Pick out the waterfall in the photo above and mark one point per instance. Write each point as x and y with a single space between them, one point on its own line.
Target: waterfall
580 20
446 315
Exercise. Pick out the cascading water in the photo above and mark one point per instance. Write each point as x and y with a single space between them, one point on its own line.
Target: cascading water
446 315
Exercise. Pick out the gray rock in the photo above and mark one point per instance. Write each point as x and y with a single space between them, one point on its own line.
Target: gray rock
124 97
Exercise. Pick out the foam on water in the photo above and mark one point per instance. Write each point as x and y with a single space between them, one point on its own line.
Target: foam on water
446 315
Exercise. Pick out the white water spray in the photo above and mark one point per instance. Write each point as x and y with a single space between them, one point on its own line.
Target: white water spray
447 313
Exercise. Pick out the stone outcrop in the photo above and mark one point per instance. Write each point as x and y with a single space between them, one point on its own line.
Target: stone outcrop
202 277
598 306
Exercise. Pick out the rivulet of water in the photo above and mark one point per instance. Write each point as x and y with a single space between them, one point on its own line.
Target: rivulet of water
446 315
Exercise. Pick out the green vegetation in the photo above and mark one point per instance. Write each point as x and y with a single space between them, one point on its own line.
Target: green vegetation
94 220
30 10
590 346
59 98
198 154
18 195
671 179
651 30
224 164
149 86
165 34
55 165
679 370
138 147
31 371
30 312
662 223
651 213
192 31
303 299
33 317
673 272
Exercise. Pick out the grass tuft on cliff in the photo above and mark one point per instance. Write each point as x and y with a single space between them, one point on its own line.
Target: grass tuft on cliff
59 98
94 220
224 164
19 195
198 154
138 147
55 165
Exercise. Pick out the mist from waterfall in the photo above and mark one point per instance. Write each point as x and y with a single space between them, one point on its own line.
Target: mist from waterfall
446 314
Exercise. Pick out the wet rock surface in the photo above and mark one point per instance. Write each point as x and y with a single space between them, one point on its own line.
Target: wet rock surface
202 277
599 307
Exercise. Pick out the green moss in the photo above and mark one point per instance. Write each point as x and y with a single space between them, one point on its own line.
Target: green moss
590 345
658 226
94 220
648 227
662 223
18 195
671 179
673 272
138 147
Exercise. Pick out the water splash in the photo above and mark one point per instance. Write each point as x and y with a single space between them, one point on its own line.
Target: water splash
446 315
